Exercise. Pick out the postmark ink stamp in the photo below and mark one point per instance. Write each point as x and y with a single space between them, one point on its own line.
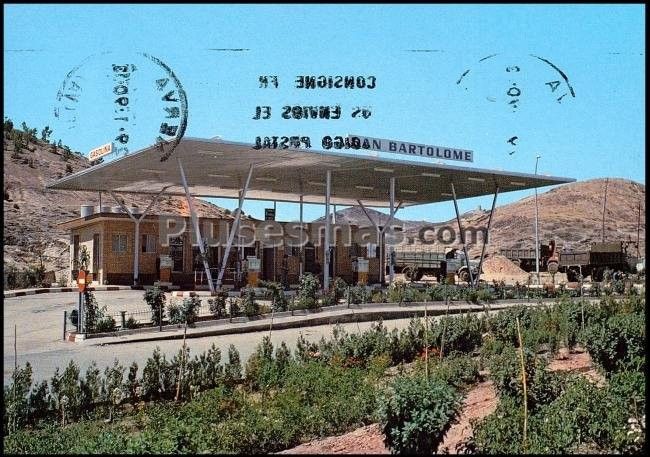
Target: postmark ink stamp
131 99
516 83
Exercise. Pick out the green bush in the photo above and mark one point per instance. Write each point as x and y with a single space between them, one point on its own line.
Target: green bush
156 299
280 302
456 371
250 306
456 333
232 368
359 294
217 304
131 323
416 414
308 291
186 312
105 324
618 343
338 289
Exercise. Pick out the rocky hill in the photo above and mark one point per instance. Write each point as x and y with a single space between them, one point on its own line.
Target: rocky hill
31 211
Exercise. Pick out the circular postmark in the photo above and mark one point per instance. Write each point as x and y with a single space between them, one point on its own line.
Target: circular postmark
516 84
129 100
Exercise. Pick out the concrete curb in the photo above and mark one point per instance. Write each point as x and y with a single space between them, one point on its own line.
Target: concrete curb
224 327
47 290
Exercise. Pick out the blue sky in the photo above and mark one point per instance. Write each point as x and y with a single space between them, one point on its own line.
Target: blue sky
600 48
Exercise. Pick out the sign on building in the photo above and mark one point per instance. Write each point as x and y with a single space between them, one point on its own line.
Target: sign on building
269 214
412 149
100 151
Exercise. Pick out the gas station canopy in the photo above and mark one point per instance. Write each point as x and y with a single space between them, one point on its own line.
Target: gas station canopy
217 168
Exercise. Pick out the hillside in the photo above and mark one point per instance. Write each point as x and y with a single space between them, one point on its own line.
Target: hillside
31 212
571 214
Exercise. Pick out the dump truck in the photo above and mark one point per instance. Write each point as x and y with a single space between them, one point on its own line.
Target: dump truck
596 260
525 258
415 263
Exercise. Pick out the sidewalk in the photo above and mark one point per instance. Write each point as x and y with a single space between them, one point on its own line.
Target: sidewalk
301 318
47 290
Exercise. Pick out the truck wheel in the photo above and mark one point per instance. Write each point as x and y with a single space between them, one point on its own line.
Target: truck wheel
463 276
419 274
409 273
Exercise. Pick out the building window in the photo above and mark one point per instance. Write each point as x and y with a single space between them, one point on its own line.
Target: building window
119 242
295 251
373 250
176 253
148 244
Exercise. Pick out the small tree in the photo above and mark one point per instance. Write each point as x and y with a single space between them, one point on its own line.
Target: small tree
156 300
218 304
308 291
232 368
45 133
251 307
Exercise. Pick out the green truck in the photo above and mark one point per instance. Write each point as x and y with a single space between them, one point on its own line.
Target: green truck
414 263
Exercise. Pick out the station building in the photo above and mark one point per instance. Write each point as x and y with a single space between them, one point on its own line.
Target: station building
128 248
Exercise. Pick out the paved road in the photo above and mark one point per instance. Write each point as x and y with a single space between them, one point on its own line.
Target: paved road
39 320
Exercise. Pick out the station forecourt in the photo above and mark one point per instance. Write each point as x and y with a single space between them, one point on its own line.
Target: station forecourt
132 247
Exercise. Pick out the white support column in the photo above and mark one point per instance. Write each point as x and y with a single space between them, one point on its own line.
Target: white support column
380 233
391 267
197 230
462 236
136 239
326 247
302 251
235 228
487 235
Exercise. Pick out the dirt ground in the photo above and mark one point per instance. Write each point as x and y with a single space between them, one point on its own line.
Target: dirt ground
364 440
480 401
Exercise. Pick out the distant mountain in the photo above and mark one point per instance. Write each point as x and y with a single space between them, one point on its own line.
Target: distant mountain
571 214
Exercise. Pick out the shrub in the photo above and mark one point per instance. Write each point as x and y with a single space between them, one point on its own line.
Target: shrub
280 302
618 343
156 299
175 312
338 289
232 368
417 413
456 371
217 304
157 377
456 333
233 308
16 407
105 324
251 307
359 294
131 322
308 291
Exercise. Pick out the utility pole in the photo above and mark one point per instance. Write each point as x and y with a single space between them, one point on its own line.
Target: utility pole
536 228
638 227
604 205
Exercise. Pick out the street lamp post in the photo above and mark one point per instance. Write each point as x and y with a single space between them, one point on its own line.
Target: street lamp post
536 228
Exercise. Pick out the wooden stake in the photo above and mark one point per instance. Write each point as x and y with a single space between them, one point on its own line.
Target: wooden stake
523 376
180 367
426 343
